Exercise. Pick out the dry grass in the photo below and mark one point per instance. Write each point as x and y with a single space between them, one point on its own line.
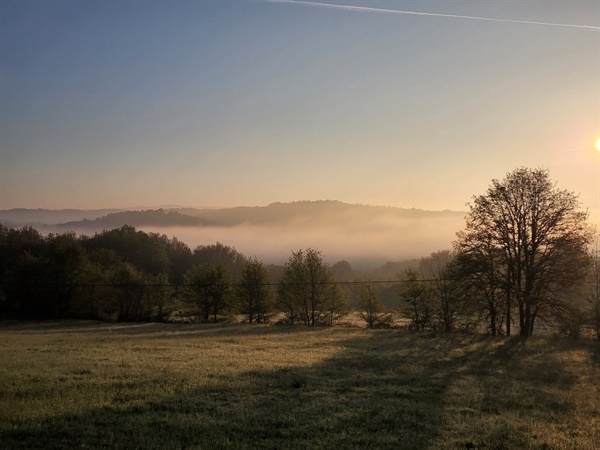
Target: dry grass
90 385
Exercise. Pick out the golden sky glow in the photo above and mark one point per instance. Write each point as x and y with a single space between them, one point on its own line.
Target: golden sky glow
121 104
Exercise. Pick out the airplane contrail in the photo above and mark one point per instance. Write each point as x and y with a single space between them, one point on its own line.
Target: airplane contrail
418 13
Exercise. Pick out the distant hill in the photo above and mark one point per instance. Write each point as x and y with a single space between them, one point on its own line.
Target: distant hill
322 212
150 217
19 217
302 213
361 233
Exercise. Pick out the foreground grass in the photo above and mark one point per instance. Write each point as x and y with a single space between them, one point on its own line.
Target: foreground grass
90 385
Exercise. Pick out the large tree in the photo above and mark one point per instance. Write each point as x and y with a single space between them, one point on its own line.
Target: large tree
543 238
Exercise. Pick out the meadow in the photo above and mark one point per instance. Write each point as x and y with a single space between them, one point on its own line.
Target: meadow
167 386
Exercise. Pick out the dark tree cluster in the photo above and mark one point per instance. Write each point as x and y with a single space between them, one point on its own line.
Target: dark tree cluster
121 274
128 275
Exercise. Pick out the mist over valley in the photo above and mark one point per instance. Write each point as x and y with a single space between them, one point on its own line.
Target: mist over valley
362 234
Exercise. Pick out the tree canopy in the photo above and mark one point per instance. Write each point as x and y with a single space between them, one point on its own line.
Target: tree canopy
307 291
539 237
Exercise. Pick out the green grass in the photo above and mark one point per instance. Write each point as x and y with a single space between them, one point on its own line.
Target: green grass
96 385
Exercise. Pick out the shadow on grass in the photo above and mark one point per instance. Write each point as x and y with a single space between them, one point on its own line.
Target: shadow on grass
387 390
596 356
155 330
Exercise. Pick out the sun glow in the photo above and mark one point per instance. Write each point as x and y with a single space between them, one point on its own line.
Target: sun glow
598 144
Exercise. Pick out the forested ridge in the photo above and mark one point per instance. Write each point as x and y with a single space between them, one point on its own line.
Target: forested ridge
322 212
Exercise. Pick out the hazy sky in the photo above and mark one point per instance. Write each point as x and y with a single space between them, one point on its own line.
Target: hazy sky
225 103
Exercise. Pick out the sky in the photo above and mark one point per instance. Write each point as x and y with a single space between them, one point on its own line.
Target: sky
107 104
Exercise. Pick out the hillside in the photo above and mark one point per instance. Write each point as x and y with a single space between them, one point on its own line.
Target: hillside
158 217
358 233
324 212
19 217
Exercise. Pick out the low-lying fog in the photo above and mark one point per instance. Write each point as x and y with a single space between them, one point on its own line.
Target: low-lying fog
363 235
361 244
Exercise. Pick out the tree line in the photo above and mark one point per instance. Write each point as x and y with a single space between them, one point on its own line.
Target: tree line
523 260
126 274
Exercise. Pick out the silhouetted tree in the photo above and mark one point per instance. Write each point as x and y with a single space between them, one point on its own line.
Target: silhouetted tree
223 255
158 296
207 286
65 270
307 290
254 293
118 290
144 251
543 238
415 300
21 257
28 288
179 256
444 293
483 282
94 300
128 293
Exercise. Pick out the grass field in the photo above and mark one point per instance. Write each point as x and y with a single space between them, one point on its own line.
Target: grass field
97 385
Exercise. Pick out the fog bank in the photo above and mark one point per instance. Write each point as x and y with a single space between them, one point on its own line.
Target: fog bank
377 241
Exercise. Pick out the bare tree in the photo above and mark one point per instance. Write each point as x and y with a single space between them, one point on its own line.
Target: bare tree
437 268
543 238
415 300
483 281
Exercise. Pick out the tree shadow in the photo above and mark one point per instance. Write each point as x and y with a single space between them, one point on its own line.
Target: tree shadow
392 389
150 330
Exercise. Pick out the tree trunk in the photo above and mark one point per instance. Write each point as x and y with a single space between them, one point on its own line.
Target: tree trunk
526 322
522 326
493 321
206 310
533 316
508 306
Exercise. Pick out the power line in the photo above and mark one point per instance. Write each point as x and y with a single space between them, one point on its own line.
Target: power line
183 285
176 286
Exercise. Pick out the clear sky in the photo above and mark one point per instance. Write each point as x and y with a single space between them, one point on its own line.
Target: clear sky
226 103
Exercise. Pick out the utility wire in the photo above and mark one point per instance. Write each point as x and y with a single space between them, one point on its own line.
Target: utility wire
172 285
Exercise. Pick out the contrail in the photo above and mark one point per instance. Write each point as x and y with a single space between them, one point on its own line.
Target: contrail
369 9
